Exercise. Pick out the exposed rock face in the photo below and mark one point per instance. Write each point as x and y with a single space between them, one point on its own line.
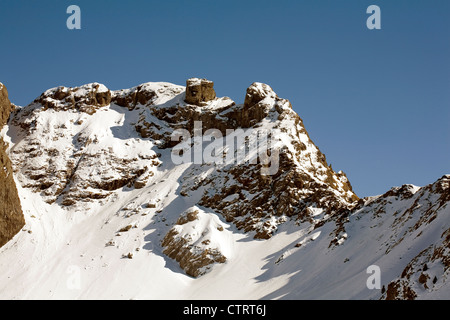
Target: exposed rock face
130 98
199 91
5 106
11 216
256 93
87 98
255 105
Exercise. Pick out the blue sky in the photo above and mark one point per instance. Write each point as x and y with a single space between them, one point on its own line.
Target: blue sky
376 102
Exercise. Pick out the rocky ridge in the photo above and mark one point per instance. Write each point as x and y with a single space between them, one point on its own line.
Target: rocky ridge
408 212
429 269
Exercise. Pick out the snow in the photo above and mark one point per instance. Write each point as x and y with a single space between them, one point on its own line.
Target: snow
90 87
197 81
316 211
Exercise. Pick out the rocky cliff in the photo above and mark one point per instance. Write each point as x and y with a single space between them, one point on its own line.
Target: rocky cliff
11 216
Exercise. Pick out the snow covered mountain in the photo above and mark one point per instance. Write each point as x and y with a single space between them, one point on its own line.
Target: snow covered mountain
11 216
164 191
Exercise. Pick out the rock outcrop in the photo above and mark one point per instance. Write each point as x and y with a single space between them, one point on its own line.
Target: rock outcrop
5 106
11 215
302 183
199 91
130 98
87 98
428 270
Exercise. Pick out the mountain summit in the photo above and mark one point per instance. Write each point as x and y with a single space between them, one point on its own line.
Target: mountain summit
164 190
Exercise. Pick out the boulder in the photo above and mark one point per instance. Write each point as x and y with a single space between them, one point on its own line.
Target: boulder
256 93
130 98
259 100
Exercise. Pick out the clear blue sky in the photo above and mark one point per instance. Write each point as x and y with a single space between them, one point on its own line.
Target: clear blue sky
376 102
